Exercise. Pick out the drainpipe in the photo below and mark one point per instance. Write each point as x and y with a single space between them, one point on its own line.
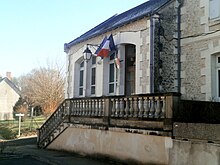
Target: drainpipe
151 54
179 44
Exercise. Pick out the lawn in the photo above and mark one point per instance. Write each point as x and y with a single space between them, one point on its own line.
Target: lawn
9 128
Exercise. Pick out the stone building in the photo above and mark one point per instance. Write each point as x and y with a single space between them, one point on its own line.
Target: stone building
127 105
9 95
200 24
174 45
146 49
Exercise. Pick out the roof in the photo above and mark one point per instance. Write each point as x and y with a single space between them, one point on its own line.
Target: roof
116 21
11 84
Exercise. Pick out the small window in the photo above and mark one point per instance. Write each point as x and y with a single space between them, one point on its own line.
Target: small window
218 82
93 76
218 59
214 9
82 64
111 77
81 78
93 60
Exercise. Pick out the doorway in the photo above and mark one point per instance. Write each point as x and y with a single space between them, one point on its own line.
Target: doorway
130 63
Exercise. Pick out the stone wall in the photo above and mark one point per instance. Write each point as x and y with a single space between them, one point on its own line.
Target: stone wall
199 47
134 148
167 55
128 147
194 153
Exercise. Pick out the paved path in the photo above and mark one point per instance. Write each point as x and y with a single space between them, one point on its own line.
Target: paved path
30 155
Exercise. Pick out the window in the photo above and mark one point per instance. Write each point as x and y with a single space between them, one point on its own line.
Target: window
218 75
112 75
93 75
81 79
218 82
214 9
111 78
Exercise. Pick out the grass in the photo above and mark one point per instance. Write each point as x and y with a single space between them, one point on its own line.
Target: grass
9 128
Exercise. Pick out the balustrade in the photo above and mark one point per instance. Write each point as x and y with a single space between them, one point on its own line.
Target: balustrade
138 107
87 107
116 107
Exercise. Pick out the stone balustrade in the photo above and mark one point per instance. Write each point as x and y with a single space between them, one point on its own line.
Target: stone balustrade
121 107
139 107
135 110
87 107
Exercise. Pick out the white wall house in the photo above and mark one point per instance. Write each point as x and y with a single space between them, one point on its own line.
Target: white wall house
9 95
143 67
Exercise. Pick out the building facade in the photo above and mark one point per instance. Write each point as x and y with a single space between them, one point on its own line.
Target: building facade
172 47
9 95
200 56
146 49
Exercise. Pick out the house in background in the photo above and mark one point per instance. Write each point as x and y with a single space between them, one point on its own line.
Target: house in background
9 95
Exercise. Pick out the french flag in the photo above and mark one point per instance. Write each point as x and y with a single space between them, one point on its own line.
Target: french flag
106 47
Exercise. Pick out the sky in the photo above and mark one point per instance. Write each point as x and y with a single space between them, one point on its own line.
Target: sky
33 32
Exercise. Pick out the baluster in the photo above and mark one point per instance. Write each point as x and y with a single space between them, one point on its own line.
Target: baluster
122 110
97 107
89 107
126 107
152 108
86 107
131 107
83 108
101 105
158 107
80 108
92 108
162 115
71 107
113 108
74 107
117 108
77 107
141 107
135 107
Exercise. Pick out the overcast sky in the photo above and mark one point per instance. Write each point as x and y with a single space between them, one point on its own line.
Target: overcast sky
33 32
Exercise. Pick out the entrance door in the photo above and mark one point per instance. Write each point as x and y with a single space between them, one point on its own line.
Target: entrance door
130 58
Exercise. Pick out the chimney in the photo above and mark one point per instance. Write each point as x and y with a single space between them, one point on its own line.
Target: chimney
8 75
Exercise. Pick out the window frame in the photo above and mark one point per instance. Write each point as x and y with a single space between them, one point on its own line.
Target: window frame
81 78
93 77
113 81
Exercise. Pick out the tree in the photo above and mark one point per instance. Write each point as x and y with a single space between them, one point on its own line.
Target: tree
21 107
43 87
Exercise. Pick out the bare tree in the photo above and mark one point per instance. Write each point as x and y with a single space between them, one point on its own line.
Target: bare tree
43 87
